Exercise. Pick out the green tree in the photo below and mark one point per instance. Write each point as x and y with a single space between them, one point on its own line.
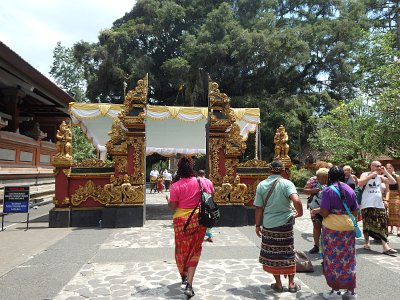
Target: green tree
263 54
68 74
380 65
82 148
345 134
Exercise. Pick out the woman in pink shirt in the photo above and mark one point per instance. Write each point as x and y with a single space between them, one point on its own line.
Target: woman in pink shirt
184 197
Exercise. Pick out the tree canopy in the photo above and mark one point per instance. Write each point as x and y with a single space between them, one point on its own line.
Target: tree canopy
370 125
292 59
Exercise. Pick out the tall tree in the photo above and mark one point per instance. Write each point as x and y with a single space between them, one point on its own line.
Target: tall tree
370 125
344 135
68 74
379 60
266 50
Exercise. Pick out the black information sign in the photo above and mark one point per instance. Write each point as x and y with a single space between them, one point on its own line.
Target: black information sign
16 199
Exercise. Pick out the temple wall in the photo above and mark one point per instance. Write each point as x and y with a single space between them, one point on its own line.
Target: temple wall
25 161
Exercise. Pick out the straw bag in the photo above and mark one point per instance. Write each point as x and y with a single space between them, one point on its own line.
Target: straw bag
303 263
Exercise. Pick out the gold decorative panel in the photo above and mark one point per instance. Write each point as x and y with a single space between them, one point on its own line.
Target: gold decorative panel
215 145
251 191
139 146
120 191
120 163
93 163
89 190
254 163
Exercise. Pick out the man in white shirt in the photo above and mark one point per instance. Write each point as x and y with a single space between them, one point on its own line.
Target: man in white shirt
167 179
373 208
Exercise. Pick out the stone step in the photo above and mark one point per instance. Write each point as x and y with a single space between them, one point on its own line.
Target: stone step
158 212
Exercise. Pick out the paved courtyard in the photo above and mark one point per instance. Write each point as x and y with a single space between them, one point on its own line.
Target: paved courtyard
138 263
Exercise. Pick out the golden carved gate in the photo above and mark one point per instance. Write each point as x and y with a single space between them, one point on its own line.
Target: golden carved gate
91 191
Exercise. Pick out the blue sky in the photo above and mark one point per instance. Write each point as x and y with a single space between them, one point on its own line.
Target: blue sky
32 28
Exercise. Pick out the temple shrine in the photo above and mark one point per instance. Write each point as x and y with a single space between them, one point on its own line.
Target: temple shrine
115 193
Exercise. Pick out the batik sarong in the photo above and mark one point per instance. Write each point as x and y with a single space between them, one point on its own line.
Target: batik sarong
277 251
153 183
394 209
339 259
188 244
375 223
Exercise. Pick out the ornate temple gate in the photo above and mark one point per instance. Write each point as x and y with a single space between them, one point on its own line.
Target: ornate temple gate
92 192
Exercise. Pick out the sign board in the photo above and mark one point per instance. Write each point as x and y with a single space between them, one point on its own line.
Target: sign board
16 199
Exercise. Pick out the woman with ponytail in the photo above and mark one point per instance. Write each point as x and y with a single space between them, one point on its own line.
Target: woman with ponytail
338 236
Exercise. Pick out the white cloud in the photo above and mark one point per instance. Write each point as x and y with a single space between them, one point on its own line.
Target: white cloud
33 28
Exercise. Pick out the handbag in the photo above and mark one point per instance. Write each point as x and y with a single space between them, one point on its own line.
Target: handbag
209 212
303 263
356 228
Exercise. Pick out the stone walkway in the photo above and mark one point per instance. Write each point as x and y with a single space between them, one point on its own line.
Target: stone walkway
228 268
138 263
158 279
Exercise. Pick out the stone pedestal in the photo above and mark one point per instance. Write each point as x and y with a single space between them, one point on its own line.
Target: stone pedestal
158 212
59 217
123 216
233 216
251 215
85 218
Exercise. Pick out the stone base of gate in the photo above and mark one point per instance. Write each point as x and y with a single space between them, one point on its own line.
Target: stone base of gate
251 215
233 216
123 216
86 217
59 217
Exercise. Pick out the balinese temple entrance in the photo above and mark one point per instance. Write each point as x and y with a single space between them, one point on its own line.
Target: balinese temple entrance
114 193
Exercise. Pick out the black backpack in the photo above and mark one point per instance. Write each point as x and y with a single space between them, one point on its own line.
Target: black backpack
209 213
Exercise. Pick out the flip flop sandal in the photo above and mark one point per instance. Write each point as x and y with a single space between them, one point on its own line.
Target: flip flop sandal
295 289
390 252
366 247
276 288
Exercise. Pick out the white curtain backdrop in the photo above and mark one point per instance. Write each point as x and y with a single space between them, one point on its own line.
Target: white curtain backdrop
169 129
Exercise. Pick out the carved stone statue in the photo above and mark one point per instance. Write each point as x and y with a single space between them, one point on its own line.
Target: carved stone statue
239 191
281 143
222 193
64 141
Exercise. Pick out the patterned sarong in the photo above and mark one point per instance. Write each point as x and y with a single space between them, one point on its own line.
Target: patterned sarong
394 209
277 254
339 259
375 223
188 244
153 183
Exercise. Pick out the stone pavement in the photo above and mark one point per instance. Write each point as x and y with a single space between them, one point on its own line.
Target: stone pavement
138 263
228 269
